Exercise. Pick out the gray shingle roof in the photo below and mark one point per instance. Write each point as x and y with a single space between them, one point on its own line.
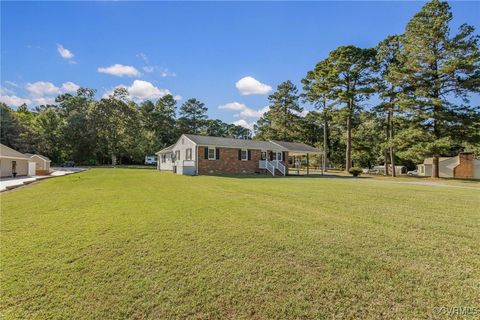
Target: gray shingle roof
234 143
38 155
296 147
8 152
252 144
167 149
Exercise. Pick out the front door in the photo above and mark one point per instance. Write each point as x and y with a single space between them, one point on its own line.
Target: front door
14 168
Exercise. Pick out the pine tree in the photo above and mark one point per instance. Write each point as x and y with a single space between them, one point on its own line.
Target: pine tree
282 121
389 62
317 90
438 66
193 114
350 79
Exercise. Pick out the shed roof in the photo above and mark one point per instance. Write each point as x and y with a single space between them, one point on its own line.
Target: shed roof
7 152
38 155
430 160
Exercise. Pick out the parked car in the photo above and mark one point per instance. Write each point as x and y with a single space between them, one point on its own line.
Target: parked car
149 160
68 164
413 173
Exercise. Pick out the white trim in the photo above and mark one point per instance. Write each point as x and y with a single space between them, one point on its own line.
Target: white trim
264 152
241 154
16 158
186 154
214 153
180 139
197 159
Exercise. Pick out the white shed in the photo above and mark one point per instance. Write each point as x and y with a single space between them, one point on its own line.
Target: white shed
42 163
14 163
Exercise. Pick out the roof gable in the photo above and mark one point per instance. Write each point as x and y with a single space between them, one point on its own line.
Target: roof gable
167 149
7 152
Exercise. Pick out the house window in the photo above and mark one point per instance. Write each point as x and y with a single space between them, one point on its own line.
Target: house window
264 155
277 156
244 155
164 158
188 155
177 155
211 153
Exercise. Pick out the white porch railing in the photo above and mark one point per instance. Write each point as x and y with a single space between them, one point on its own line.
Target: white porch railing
270 167
262 164
280 167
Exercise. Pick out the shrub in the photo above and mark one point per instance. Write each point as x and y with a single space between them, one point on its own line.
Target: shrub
355 171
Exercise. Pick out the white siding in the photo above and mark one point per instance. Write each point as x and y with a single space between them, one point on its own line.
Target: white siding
427 170
167 165
476 169
184 166
41 164
6 167
446 167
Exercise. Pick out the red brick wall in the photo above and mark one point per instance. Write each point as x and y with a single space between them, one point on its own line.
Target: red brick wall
229 163
465 169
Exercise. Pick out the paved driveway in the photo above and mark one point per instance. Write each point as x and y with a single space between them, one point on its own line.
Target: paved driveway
10 183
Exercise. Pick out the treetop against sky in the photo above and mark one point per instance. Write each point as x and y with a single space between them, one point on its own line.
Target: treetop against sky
228 55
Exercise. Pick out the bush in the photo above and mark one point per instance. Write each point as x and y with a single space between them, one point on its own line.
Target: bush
355 171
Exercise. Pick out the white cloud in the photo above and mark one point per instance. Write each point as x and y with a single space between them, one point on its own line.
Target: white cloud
244 123
245 112
13 84
64 52
249 85
167 73
41 88
43 100
142 56
302 114
148 69
120 70
233 106
141 90
70 87
38 93
13 100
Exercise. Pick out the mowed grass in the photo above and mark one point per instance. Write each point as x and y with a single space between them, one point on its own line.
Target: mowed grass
140 244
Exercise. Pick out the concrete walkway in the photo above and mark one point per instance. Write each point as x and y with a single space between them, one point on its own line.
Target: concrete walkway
11 183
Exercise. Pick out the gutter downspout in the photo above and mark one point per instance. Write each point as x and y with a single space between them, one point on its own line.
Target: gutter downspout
196 159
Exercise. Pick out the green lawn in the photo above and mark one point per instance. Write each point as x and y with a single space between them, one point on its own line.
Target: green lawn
140 244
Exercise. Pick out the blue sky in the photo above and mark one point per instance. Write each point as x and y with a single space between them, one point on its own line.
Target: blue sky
190 49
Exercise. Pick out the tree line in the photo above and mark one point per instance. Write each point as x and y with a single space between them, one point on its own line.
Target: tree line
406 99
421 81
110 130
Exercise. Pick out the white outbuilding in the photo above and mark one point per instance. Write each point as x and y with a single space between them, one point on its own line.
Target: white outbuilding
14 163
42 164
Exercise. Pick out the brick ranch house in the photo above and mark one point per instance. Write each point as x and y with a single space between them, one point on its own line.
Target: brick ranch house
203 155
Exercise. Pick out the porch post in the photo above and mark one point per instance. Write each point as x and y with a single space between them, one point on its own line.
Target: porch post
308 165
